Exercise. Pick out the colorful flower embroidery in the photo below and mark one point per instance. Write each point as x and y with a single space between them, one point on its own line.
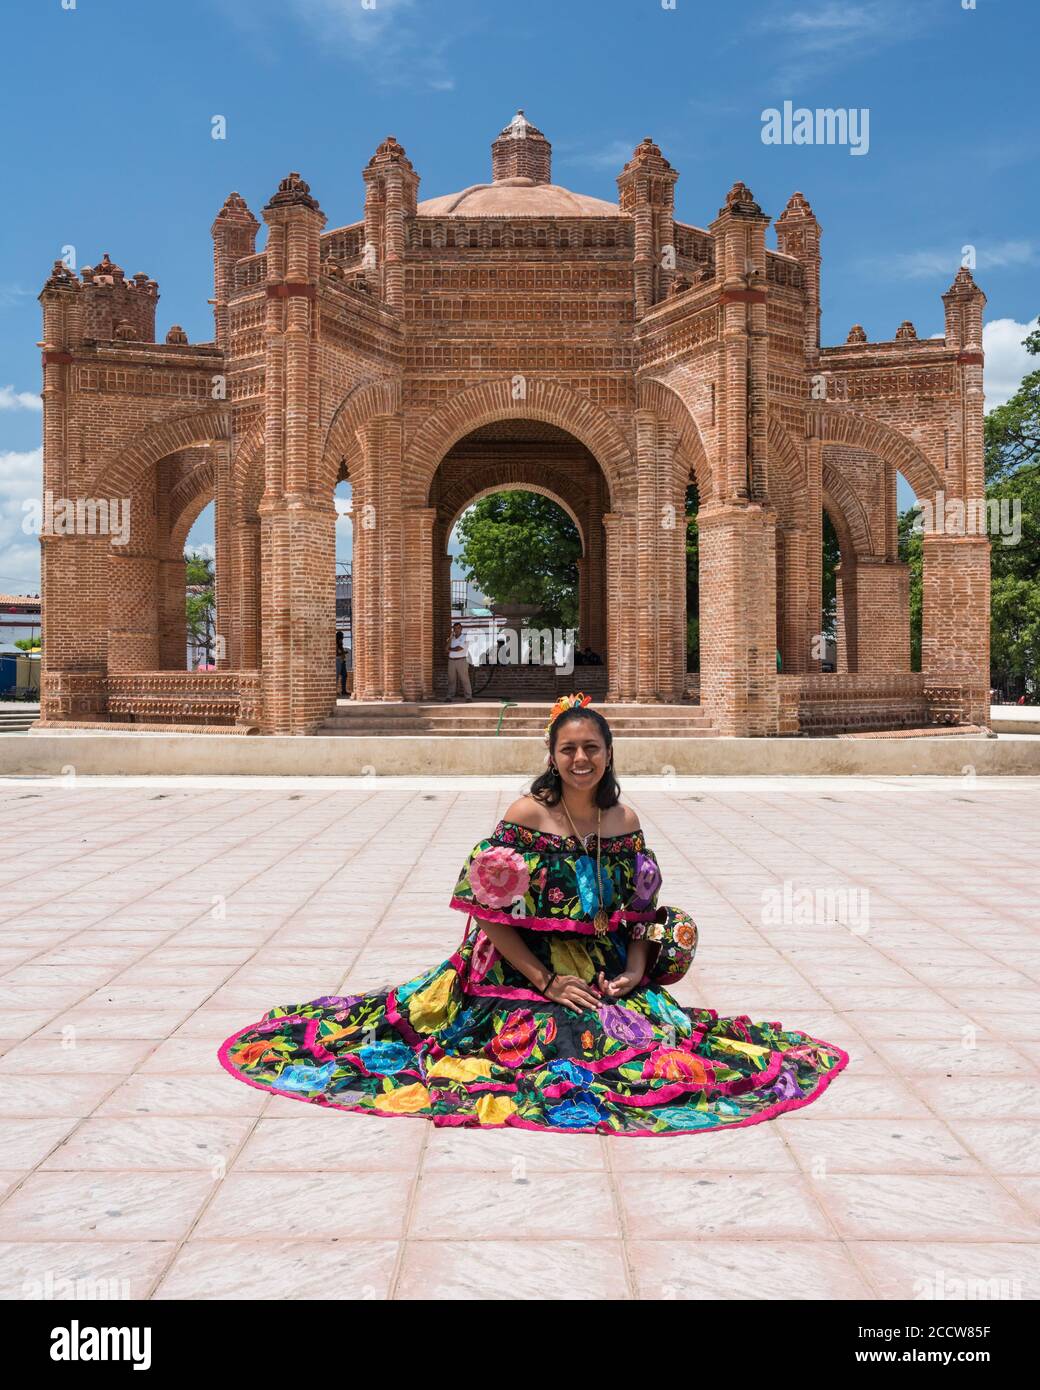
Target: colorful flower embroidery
555 886
515 1043
471 1042
498 877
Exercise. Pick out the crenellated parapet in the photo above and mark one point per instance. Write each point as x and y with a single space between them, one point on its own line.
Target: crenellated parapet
116 308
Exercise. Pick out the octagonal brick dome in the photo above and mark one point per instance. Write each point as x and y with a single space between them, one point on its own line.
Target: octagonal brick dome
521 163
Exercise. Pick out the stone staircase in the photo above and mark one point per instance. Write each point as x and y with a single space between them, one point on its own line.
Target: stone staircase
481 719
16 716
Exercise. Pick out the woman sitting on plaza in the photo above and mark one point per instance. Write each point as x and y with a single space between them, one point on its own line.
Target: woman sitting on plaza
553 1012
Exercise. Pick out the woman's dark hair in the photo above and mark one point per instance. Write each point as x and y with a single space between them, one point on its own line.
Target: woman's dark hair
548 787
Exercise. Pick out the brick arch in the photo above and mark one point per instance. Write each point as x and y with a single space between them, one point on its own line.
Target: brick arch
472 497
847 542
367 401
787 483
247 471
670 408
187 501
119 476
549 402
839 425
843 501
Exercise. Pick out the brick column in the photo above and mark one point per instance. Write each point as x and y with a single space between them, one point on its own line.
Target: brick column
74 573
793 570
660 564
246 652
379 578
882 599
955 636
738 618
417 603
955 646
172 590
737 529
622 614
813 627
133 631
594 615
298 524
388 433
298 545
846 601
442 619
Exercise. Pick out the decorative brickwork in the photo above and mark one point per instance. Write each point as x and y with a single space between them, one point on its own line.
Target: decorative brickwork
513 334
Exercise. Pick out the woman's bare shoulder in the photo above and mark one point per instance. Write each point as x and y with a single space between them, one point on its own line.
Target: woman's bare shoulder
623 820
528 810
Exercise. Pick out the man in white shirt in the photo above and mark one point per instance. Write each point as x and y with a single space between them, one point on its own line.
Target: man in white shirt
458 664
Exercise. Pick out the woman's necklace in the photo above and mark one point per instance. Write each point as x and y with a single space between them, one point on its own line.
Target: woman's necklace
601 921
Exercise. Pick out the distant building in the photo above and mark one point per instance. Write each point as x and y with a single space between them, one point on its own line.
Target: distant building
19 617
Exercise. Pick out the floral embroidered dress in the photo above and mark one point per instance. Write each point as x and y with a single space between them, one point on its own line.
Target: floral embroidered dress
471 1042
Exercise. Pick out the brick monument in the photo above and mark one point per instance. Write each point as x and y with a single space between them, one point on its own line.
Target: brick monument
515 334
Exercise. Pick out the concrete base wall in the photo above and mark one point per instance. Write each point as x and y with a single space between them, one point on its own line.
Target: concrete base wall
46 754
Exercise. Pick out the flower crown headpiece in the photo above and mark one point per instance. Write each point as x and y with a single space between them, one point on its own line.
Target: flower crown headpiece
576 701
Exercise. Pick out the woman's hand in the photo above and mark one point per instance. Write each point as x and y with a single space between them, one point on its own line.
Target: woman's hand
620 985
573 993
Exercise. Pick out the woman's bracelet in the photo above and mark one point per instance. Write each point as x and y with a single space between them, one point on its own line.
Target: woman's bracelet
548 984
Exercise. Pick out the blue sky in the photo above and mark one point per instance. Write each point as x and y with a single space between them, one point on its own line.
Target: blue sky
107 110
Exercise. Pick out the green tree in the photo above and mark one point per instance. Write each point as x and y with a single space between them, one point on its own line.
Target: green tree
911 553
1013 478
1013 429
521 547
27 644
199 601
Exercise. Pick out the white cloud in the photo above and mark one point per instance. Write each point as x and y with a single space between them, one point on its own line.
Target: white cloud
21 481
390 39
946 261
813 40
10 399
614 155
1007 361
11 294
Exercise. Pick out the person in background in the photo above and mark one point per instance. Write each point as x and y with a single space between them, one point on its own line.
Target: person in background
458 664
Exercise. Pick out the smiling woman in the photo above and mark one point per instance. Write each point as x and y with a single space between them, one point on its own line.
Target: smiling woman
553 1012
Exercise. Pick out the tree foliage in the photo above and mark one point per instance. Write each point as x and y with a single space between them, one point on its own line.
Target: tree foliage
1013 429
200 600
1012 436
521 547
1013 476
912 554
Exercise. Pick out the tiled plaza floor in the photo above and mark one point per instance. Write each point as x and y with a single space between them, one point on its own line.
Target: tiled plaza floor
140 924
